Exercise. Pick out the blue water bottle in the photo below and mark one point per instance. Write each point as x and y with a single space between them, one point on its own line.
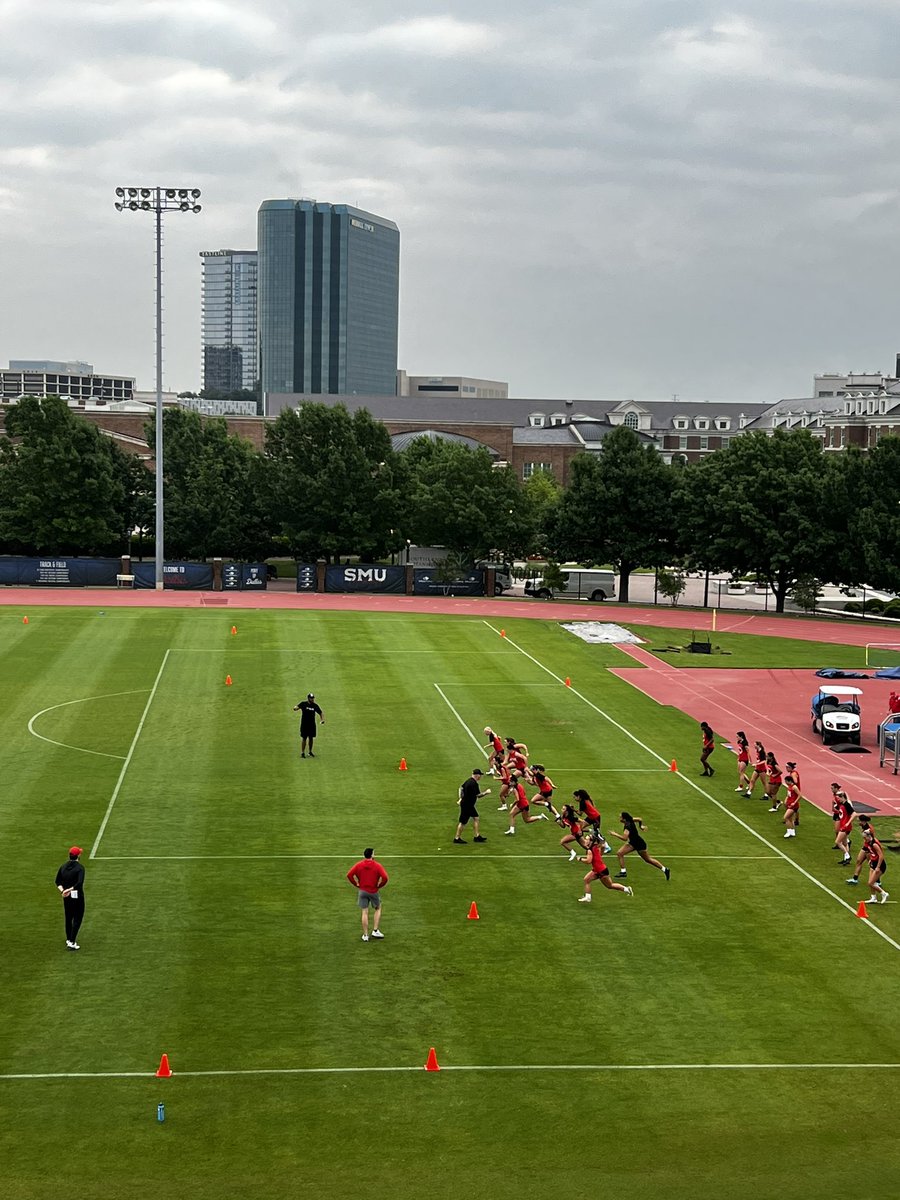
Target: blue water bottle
160 1112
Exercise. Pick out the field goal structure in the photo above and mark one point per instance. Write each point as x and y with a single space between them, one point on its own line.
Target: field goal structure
883 654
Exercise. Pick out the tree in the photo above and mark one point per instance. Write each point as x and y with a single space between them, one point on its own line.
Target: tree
875 526
458 498
618 508
542 494
758 505
670 583
62 483
336 482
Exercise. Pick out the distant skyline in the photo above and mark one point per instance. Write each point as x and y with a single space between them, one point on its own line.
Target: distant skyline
626 198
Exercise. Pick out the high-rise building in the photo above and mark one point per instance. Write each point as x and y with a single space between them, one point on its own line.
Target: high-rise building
329 283
229 320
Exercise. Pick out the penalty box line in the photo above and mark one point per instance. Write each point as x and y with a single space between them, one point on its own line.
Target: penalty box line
469 1067
697 788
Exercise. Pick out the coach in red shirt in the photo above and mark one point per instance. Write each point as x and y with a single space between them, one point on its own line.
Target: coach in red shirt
368 876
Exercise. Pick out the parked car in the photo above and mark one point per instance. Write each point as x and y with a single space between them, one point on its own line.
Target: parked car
835 714
582 585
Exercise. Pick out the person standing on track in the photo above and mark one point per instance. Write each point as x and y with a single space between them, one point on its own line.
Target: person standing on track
308 710
70 883
599 870
709 744
634 840
369 877
877 867
743 758
469 794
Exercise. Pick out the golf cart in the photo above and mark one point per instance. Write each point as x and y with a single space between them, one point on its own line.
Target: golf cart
835 714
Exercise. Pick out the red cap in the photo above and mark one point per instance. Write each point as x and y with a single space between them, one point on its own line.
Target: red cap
76 850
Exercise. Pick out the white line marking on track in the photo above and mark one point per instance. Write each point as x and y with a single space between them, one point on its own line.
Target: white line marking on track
446 855
481 749
247 1071
128 756
83 700
697 788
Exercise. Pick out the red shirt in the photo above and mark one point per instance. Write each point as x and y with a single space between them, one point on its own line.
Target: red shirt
368 875
521 795
774 773
497 744
743 754
708 738
792 800
598 866
545 785
520 762
873 850
589 811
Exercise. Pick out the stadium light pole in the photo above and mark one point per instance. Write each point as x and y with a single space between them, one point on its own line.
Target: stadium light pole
158 200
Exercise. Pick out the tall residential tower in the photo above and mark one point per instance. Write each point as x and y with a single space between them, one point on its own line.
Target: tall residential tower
229 320
329 283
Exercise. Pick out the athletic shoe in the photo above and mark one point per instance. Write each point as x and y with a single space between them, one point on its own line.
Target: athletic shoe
303 756
459 841
584 899
508 832
69 944
788 834
376 933
573 854
543 817
852 881
774 808
740 789
365 937
667 873
606 848
479 839
629 891
502 807
844 860
883 900
74 946
311 755
620 875
873 899
749 795
712 770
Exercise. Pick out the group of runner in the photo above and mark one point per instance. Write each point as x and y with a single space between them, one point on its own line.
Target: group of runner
580 819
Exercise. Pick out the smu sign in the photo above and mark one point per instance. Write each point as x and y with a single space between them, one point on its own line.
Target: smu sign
365 578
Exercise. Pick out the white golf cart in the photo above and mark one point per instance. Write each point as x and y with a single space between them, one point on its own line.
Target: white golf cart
835 714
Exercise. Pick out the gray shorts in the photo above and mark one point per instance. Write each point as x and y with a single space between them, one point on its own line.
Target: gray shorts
367 899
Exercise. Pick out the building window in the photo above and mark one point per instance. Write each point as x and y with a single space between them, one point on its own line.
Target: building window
682 443
529 468
723 442
557 418
704 443
702 423
723 423
631 420
536 420
681 423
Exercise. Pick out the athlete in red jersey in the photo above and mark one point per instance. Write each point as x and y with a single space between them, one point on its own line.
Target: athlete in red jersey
591 815
505 785
521 806
568 819
774 780
792 802
743 758
758 759
544 785
599 870
862 857
877 866
709 744
844 816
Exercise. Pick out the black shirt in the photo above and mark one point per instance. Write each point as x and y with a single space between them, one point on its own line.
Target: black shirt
469 792
71 875
307 708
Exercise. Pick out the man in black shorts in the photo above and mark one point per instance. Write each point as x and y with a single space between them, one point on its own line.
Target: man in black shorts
308 709
469 794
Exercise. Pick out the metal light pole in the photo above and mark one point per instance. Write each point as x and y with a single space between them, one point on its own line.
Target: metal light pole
158 200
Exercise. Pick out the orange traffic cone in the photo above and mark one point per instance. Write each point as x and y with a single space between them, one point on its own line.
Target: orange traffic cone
24 620
568 682
673 765
473 912
861 910
503 633
233 630
164 1070
228 681
431 1063
403 766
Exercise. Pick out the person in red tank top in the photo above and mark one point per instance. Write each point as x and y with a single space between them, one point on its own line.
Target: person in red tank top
599 870
792 800
709 744
774 780
743 759
520 805
758 758
544 785
568 820
877 867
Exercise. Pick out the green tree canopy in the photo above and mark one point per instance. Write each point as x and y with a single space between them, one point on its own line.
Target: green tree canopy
876 516
62 483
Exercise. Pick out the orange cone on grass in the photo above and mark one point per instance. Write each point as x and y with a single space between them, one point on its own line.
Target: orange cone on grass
431 1063
568 682
673 765
24 620
861 910
503 633
403 766
228 681
163 1071
233 630
473 912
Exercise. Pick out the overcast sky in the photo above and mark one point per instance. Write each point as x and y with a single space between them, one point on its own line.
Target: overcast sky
606 198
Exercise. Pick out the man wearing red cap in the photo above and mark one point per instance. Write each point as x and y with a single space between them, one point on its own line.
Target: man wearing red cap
70 882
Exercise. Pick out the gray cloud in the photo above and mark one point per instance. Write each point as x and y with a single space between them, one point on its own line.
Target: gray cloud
595 198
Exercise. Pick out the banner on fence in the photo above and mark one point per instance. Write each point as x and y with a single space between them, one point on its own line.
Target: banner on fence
60 572
425 583
363 577
306 577
184 576
243 576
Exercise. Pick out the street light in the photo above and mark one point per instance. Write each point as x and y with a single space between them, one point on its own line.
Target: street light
158 200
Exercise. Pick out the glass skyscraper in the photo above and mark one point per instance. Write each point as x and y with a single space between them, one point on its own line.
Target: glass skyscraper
329 284
229 330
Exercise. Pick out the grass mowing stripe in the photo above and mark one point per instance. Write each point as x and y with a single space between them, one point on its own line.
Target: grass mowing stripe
128 757
697 788
481 749
65 704
243 1071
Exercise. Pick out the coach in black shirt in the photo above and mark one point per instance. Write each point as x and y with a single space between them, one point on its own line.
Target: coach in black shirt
70 882
308 709
469 794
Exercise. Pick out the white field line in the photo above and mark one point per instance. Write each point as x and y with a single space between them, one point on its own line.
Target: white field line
446 856
128 756
323 649
83 700
482 750
697 788
474 1067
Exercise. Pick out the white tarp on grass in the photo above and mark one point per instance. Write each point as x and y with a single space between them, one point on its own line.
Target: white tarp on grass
601 631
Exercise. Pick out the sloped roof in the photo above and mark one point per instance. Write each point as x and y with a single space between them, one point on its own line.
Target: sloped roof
400 441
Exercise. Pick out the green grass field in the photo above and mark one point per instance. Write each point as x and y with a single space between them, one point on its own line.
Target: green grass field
663 1045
